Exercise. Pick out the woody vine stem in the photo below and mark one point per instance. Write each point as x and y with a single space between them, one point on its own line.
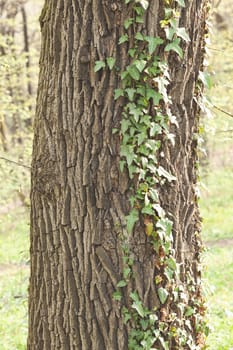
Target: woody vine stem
145 125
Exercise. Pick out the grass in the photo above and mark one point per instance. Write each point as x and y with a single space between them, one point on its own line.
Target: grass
219 261
14 255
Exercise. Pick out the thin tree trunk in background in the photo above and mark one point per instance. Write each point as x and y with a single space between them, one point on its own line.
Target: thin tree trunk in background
79 197
26 48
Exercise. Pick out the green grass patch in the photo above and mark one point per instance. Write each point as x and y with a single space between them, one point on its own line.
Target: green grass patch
219 262
13 307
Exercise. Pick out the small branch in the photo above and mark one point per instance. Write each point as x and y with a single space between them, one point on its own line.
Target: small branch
223 111
223 131
16 163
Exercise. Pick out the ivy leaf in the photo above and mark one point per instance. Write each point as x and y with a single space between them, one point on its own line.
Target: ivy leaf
134 72
171 262
154 194
156 97
117 295
189 311
139 36
140 64
128 22
123 39
137 304
125 123
139 308
141 137
148 210
131 219
126 272
175 46
130 92
99 65
168 273
170 31
118 93
162 172
163 295
159 210
181 3
121 284
166 226
110 62
132 52
144 3
153 43
181 32
155 129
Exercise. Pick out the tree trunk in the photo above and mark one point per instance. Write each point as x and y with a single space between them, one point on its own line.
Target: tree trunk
79 197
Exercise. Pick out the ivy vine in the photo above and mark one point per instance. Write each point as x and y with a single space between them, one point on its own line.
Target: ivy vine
145 122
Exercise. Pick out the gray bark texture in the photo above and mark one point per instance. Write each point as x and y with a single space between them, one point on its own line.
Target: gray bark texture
79 197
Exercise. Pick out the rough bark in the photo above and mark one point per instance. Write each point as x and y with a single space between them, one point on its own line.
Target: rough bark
79 197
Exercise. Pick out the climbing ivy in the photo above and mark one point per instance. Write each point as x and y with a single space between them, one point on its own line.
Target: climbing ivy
146 118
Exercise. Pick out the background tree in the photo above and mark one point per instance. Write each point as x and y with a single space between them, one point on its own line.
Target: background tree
81 247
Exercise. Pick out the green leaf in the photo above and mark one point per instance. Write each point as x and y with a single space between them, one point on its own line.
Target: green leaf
139 36
171 262
118 93
175 46
148 210
155 129
153 42
110 62
141 137
128 22
166 226
126 272
123 39
126 314
139 308
131 219
140 64
170 31
134 296
130 92
99 65
189 311
125 124
181 32
181 3
117 295
133 72
121 284
132 52
163 295
156 96
168 273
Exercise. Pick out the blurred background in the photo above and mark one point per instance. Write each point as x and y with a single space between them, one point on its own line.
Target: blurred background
19 56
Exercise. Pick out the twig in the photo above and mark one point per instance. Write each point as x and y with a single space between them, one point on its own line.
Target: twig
16 163
223 111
